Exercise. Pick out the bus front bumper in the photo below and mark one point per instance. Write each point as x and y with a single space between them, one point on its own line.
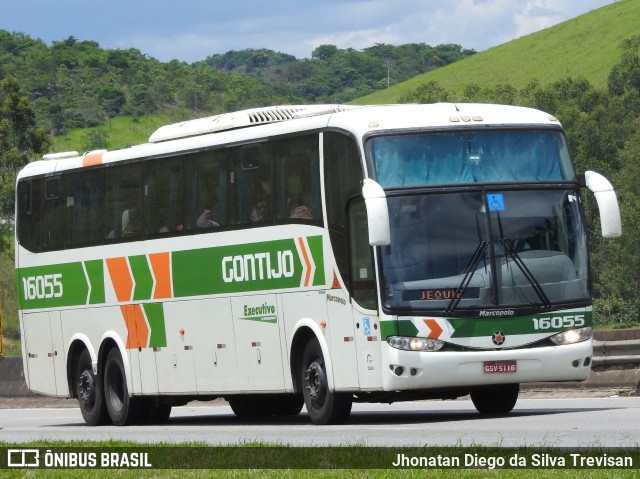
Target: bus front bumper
407 370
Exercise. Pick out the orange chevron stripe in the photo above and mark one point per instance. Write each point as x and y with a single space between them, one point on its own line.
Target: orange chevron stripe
121 278
306 260
138 331
434 328
161 265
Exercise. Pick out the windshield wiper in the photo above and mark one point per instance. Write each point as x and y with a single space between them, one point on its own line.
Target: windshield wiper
510 250
468 274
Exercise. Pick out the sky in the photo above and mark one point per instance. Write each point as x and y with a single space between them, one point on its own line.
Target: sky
191 30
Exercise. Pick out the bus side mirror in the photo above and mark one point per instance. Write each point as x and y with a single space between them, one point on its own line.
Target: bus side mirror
375 201
610 222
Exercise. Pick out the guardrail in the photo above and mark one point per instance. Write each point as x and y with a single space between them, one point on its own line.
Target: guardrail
610 353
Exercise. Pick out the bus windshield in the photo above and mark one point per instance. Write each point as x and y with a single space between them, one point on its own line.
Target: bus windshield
490 156
484 249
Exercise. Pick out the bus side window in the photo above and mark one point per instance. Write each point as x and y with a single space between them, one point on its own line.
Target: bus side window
206 191
360 256
52 228
342 180
163 197
29 208
250 185
298 180
121 207
83 209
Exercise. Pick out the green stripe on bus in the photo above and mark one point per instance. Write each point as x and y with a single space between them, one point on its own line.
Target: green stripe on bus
142 277
315 245
95 272
402 327
155 317
533 324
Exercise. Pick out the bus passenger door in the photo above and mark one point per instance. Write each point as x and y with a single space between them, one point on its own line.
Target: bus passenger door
364 297
256 321
342 341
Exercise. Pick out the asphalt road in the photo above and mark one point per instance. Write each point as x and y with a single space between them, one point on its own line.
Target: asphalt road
538 420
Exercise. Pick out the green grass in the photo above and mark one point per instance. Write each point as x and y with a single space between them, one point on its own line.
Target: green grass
119 132
587 46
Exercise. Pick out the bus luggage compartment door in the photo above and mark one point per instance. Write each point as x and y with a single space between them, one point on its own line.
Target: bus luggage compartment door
44 353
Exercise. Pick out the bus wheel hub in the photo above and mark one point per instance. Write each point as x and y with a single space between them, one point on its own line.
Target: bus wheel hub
316 383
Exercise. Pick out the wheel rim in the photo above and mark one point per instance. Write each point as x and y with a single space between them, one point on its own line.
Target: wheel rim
116 389
316 384
87 389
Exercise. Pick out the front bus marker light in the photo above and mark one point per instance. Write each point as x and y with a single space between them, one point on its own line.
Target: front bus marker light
572 336
414 343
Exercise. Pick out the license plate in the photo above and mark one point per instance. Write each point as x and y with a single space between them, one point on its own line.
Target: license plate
492 367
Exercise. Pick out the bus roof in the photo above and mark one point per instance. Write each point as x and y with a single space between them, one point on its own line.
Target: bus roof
260 123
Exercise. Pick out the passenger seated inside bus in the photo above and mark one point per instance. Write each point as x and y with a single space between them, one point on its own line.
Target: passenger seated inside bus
205 220
130 223
259 212
298 210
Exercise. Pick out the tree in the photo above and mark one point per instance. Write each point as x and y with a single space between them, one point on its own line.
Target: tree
20 140
324 52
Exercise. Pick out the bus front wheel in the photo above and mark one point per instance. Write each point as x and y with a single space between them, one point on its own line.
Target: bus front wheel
498 399
89 391
123 410
323 405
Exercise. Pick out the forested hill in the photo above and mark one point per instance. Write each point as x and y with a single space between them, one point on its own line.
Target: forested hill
77 84
586 47
339 75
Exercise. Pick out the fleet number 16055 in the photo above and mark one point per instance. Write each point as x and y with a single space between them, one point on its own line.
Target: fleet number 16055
559 322
42 287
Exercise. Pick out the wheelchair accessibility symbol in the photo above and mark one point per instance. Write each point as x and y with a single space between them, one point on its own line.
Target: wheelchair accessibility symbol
495 201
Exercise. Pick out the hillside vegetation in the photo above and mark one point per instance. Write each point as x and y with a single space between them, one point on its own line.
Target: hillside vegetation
587 46
76 84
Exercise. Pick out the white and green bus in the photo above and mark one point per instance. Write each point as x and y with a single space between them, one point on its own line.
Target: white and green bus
309 255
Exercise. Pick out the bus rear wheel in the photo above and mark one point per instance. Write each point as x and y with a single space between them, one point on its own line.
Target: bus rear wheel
498 399
123 410
323 405
89 391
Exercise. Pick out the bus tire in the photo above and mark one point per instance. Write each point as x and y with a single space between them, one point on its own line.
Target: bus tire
90 393
499 399
323 406
123 410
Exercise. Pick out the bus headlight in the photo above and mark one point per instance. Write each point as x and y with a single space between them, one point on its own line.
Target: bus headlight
415 344
572 336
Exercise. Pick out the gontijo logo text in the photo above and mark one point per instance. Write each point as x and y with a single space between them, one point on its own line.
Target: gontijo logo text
258 266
